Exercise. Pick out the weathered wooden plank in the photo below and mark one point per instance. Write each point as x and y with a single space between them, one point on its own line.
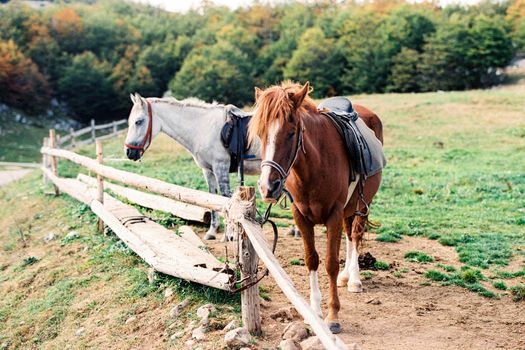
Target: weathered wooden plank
165 264
182 210
254 232
187 233
165 251
179 193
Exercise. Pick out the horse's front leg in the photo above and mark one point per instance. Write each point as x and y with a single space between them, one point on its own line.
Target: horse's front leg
311 258
212 188
333 243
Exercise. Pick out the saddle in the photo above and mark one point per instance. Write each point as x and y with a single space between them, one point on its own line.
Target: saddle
234 135
365 151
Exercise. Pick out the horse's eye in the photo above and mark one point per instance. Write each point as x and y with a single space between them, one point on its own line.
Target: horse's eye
291 134
139 122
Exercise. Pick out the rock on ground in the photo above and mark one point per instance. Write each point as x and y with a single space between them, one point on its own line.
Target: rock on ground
72 235
296 331
289 344
237 338
198 334
230 326
175 311
312 343
50 237
285 313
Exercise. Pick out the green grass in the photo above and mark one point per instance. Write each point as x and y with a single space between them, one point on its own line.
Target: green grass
367 274
381 265
420 257
499 285
448 268
390 237
518 292
467 277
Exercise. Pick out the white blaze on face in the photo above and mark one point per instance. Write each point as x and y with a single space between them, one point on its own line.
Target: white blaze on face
264 179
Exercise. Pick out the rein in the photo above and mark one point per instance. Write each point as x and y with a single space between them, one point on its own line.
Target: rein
147 139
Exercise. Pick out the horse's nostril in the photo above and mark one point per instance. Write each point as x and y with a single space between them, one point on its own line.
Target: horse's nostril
276 185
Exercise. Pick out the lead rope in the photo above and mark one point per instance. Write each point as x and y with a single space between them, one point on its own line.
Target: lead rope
262 220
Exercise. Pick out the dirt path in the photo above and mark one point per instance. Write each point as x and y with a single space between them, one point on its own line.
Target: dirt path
8 176
404 312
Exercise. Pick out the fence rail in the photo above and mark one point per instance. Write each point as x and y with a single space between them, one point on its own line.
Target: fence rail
239 213
73 137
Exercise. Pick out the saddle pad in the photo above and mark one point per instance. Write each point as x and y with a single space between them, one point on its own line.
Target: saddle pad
234 135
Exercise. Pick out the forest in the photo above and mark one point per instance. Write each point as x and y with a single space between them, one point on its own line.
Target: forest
89 55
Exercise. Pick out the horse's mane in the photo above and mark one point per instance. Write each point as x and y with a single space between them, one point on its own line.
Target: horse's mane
273 104
187 102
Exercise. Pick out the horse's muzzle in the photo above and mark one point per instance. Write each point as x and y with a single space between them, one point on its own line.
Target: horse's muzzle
133 154
271 192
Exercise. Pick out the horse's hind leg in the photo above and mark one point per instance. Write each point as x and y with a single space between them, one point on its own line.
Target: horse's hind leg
358 229
344 275
212 188
311 258
333 226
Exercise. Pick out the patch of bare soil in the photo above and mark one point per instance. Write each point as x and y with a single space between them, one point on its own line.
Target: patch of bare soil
401 312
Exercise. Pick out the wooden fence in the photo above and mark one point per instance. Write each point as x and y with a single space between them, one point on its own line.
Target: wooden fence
77 137
170 255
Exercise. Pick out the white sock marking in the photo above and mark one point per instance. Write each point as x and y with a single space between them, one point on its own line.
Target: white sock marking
344 275
315 293
354 267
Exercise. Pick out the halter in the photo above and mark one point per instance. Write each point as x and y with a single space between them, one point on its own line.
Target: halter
273 164
147 139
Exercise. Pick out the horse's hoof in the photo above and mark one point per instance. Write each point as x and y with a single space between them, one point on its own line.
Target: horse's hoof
291 232
209 237
355 287
297 234
342 281
335 327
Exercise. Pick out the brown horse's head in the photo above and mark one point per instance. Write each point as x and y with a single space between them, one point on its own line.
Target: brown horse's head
278 124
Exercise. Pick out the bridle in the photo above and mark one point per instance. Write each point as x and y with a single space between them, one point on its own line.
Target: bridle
273 164
147 139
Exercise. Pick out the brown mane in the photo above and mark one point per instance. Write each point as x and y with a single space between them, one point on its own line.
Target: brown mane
274 103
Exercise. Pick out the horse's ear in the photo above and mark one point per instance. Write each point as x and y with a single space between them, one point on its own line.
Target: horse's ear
132 98
299 96
258 93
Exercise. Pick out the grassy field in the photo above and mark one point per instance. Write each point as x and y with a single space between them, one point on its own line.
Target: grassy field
456 174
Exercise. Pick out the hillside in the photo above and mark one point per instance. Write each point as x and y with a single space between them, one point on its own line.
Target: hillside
453 192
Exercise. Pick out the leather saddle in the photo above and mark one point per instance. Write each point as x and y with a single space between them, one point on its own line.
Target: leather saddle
364 150
234 135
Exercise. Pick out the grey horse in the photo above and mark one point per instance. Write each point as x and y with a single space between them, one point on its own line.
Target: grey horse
195 125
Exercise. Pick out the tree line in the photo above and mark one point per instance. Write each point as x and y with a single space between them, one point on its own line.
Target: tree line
92 54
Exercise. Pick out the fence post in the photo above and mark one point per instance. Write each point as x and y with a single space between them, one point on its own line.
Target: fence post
54 160
100 182
73 141
251 315
93 130
114 127
45 162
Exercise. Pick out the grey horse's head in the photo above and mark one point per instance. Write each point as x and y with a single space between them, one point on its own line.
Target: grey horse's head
142 127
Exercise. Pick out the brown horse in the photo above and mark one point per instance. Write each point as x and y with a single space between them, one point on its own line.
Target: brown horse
302 147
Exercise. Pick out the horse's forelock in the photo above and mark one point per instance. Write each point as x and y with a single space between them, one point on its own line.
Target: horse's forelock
275 104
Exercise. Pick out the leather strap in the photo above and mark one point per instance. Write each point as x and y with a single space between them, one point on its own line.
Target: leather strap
273 164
